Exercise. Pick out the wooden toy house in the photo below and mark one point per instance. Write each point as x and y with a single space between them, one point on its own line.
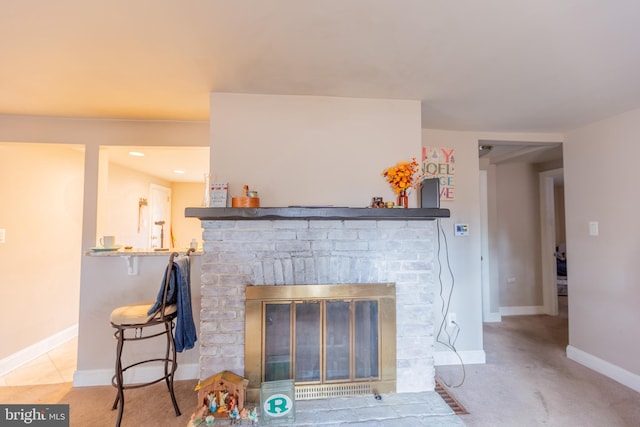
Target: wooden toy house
221 393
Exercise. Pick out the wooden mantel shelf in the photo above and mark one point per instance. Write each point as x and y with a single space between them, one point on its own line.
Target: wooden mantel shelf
315 213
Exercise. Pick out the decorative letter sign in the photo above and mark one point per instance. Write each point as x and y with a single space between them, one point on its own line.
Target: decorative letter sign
277 405
440 162
219 195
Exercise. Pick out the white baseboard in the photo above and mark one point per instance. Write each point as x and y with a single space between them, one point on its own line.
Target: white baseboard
493 318
607 369
36 350
140 374
448 357
522 310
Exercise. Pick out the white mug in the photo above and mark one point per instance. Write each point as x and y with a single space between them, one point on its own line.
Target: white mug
108 241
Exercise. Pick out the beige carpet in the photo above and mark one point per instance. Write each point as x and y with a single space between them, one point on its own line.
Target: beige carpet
528 381
91 406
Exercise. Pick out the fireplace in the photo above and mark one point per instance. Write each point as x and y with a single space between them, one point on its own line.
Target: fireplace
261 257
333 340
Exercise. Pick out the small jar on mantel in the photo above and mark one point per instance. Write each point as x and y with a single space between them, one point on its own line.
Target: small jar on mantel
403 199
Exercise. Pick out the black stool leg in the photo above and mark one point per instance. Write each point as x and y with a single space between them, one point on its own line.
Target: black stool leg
119 377
174 365
169 372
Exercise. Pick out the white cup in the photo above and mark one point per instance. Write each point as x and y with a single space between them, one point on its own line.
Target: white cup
108 241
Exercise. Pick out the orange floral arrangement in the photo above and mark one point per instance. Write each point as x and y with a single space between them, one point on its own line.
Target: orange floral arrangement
401 176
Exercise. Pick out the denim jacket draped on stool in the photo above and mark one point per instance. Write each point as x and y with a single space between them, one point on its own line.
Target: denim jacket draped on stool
179 294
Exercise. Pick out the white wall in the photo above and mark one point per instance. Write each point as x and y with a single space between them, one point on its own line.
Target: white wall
109 286
493 248
321 150
186 195
41 211
518 235
298 150
96 346
370 135
463 252
601 184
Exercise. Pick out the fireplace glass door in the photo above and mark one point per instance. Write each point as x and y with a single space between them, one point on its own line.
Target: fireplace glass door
324 341
277 349
334 340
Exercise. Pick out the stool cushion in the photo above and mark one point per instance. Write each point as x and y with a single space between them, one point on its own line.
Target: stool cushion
136 314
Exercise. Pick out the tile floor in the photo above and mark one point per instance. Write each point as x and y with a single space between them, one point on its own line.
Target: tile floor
56 366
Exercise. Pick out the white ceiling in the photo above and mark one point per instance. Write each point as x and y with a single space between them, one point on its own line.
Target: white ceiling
500 152
497 65
494 65
163 162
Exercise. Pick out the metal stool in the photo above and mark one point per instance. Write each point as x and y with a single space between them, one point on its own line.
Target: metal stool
134 319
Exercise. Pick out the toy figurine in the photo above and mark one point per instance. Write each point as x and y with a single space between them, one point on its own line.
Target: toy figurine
211 397
222 401
198 417
253 416
234 416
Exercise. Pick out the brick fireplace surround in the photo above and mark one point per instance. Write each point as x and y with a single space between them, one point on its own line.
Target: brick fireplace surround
297 246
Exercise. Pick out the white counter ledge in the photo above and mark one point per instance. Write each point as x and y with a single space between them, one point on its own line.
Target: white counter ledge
138 252
132 256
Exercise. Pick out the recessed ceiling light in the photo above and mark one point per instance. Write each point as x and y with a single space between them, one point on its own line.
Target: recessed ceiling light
136 153
178 171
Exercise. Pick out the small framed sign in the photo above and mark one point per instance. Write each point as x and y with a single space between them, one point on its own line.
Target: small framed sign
219 195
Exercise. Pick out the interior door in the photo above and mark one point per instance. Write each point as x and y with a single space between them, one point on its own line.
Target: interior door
160 217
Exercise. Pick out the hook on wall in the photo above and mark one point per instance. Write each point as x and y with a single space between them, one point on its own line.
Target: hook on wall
142 201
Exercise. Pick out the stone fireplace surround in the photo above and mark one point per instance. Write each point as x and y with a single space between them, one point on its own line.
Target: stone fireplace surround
296 246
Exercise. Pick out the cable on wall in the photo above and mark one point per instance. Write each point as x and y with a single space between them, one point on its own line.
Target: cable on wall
450 340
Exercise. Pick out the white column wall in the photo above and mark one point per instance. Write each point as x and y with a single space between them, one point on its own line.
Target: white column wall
297 150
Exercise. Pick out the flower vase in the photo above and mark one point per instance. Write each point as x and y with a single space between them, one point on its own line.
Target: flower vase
403 199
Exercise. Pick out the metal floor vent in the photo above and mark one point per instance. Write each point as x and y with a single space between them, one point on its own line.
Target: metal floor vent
453 403
308 392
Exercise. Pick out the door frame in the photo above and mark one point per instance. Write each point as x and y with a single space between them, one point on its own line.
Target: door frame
488 286
160 197
548 240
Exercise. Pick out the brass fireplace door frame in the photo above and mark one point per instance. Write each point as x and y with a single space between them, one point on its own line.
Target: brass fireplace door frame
384 293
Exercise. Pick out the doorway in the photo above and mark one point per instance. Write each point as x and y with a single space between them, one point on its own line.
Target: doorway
128 209
518 238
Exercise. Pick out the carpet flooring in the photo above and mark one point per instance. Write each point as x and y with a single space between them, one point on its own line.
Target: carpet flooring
528 381
91 406
151 406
